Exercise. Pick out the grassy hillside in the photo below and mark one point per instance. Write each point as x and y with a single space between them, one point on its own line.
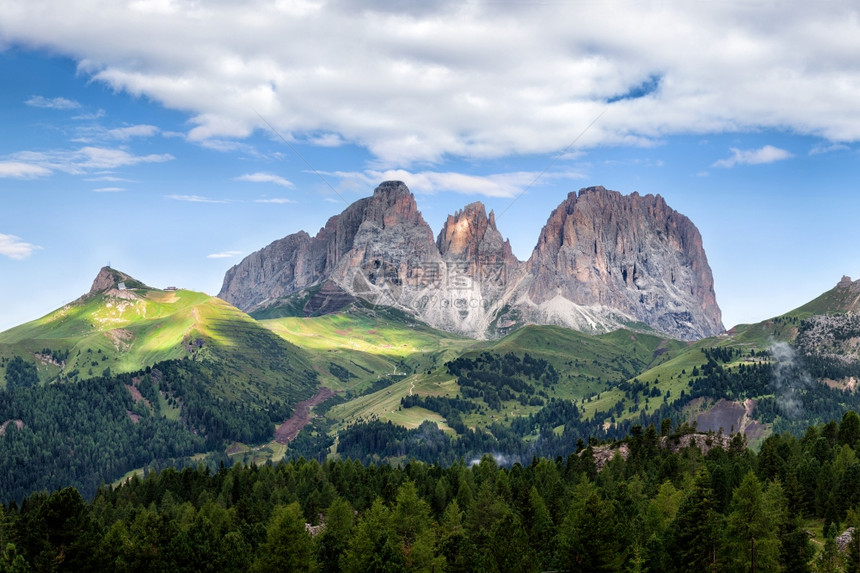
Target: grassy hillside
353 349
127 330
590 370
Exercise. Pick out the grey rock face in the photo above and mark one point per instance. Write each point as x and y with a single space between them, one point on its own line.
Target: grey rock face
602 261
632 254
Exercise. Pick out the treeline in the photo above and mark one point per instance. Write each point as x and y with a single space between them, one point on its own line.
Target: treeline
80 434
518 438
92 431
726 510
496 379
789 393
20 373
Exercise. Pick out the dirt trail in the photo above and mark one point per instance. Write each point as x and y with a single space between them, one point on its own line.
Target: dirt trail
287 432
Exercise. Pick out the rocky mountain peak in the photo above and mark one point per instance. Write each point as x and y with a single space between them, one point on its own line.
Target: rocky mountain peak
602 261
845 282
631 253
464 231
371 233
109 278
392 204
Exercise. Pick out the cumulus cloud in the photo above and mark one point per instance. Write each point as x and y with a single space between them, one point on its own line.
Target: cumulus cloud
16 248
224 255
52 103
475 79
767 154
265 178
431 182
21 170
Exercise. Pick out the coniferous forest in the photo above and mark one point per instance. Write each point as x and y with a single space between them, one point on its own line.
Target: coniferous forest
663 507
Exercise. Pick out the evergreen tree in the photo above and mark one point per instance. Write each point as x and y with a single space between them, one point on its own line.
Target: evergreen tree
288 545
414 531
752 526
852 559
828 559
694 534
586 537
372 548
453 541
334 539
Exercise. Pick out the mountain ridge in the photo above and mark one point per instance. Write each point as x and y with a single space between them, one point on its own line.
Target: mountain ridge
589 270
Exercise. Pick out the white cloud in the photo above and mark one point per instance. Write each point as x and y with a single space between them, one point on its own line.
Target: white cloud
767 154
265 178
193 199
90 116
822 148
52 103
111 179
81 160
15 248
109 190
224 255
430 182
133 131
474 80
21 170
275 200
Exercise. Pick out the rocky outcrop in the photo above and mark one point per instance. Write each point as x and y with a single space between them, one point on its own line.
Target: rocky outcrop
362 249
606 257
329 299
109 279
604 454
277 270
602 261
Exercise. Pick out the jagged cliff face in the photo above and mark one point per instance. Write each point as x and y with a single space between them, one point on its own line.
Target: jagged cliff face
633 255
602 261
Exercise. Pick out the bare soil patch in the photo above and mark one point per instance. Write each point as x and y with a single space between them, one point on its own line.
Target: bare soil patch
287 432
725 415
135 393
18 424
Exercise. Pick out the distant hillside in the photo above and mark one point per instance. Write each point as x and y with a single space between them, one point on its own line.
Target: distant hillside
129 375
189 374
122 325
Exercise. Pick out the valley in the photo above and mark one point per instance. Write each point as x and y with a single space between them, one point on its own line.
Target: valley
341 379
327 366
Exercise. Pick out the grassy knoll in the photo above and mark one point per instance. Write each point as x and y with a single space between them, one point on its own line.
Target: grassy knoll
128 330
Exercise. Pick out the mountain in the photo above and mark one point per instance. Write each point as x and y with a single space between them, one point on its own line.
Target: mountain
603 261
122 325
128 374
602 253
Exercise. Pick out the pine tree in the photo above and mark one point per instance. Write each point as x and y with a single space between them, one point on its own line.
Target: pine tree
693 537
414 531
587 536
372 548
288 545
334 539
752 525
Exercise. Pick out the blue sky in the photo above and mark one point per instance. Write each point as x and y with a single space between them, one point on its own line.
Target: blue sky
137 133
